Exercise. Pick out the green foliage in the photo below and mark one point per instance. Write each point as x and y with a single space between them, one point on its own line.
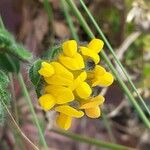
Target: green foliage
9 45
9 64
53 52
4 94
35 77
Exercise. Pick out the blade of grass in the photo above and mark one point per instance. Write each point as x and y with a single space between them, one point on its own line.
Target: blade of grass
26 94
69 20
48 10
92 141
114 55
106 59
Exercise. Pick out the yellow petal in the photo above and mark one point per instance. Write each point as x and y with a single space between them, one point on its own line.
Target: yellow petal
96 45
81 77
59 80
83 90
62 94
93 112
72 63
46 69
105 80
70 111
90 53
93 102
70 48
98 71
64 121
47 101
61 70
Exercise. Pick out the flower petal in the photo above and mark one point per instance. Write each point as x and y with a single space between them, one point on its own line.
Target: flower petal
61 70
93 112
47 101
64 121
72 63
84 90
89 53
81 77
46 70
70 111
59 80
98 71
96 45
93 102
105 80
70 48
62 94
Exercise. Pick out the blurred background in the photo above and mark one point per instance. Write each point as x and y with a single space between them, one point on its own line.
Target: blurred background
126 24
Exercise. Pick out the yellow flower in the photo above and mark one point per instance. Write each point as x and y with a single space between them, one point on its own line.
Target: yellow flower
70 58
82 89
47 101
96 45
62 76
65 117
91 106
69 82
69 48
46 70
99 77
92 50
73 63
62 94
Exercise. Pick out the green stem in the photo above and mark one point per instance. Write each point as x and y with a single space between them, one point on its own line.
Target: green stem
114 55
92 141
106 59
49 10
23 86
69 20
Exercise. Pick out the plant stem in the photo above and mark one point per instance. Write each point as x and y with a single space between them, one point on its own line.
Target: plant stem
92 141
106 59
26 94
114 55
69 20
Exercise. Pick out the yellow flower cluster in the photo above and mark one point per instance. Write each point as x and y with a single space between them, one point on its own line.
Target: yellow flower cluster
70 80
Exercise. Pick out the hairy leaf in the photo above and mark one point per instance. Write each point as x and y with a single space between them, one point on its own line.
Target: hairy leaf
35 77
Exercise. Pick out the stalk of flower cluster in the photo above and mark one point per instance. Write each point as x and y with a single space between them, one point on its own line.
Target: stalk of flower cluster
122 84
26 94
92 141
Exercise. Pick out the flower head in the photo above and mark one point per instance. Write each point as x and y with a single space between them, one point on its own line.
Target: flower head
68 80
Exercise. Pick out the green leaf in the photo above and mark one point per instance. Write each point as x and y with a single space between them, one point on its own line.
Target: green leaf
35 76
53 52
19 52
9 64
4 81
4 94
9 45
